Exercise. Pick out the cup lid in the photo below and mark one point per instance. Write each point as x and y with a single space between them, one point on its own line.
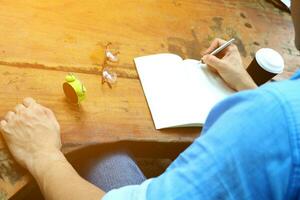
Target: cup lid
270 60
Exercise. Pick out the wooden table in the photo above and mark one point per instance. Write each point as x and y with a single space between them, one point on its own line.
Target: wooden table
43 40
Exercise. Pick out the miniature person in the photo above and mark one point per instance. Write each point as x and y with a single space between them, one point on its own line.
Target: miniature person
249 147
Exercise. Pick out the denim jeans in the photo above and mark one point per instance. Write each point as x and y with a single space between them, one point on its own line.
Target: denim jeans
111 171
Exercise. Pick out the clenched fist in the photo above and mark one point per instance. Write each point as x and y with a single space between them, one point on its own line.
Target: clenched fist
31 131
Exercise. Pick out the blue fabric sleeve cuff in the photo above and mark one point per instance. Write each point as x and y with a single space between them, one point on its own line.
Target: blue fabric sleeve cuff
296 75
132 192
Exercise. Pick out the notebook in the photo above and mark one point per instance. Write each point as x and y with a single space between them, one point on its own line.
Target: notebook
180 93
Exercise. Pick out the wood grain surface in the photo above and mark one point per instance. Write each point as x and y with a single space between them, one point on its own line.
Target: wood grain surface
43 40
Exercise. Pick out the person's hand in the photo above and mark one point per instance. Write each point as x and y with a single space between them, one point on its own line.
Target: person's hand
229 66
31 132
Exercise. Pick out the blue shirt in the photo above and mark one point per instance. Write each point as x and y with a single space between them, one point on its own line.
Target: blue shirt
249 149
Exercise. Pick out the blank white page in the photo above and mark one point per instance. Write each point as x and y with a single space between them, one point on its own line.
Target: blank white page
207 89
179 93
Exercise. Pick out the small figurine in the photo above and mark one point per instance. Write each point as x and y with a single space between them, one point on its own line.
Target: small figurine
74 89
108 75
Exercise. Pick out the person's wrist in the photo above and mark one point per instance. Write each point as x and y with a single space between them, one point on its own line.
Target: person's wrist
246 83
43 160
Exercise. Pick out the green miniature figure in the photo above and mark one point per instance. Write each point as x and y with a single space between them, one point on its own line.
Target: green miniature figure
74 89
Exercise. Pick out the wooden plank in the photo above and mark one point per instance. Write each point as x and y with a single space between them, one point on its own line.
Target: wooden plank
67 35
107 115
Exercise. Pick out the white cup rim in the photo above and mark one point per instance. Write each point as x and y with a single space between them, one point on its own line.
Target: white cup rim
270 60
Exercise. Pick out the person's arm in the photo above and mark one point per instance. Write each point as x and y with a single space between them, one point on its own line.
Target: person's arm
57 179
229 66
33 137
244 152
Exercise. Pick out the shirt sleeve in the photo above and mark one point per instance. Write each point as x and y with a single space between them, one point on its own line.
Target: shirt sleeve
243 153
296 75
131 192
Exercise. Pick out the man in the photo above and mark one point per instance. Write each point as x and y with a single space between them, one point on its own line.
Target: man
249 147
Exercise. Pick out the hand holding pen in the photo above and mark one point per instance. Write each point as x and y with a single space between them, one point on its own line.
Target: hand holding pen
228 64
214 50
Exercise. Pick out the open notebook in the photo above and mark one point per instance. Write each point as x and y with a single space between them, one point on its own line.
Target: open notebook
180 93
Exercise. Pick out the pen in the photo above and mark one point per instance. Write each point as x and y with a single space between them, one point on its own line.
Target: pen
220 48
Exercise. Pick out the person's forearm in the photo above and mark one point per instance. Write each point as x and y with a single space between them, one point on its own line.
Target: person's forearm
58 180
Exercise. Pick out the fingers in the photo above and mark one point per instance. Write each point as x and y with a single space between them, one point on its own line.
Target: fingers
3 123
213 62
9 115
3 126
29 102
19 108
215 44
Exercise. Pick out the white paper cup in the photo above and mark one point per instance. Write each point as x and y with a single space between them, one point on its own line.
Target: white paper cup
266 64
